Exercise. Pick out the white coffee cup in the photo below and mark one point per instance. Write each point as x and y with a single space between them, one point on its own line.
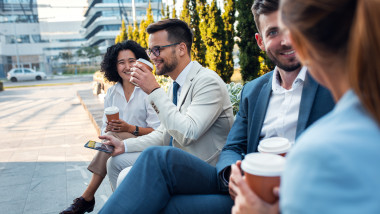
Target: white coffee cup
112 113
275 145
146 63
262 172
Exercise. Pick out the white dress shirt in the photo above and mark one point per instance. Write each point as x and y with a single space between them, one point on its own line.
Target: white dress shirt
282 113
137 111
182 78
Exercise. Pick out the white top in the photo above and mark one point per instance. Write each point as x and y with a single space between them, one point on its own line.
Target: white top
283 108
137 111
182 77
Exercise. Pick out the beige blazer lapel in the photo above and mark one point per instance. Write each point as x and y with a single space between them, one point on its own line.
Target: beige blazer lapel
186 87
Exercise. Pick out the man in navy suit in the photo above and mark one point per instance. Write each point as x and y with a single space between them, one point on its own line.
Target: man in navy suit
282 103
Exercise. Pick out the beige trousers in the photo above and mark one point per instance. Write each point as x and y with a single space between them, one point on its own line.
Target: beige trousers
98 163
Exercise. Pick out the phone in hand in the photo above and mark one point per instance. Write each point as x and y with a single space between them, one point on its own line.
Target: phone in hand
99 146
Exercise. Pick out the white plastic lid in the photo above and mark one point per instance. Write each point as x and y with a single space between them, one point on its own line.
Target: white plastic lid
146 62
263 164
274 145
111 110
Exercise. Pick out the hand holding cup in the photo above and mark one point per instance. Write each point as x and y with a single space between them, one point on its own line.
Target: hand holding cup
142 76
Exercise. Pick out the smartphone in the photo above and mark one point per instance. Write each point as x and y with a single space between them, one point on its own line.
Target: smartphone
99 146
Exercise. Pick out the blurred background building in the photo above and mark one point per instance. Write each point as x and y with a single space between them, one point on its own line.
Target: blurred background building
45 44
103 18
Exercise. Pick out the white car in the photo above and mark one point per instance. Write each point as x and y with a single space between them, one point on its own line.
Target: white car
17 74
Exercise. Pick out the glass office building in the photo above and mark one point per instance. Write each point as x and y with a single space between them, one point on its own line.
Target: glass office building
103 18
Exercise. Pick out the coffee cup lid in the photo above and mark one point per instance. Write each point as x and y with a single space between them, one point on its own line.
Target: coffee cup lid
146 62
275 145
111 110
263 164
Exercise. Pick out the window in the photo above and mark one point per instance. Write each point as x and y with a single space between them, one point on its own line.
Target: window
18 71
10 39
27 71
111 27
23 39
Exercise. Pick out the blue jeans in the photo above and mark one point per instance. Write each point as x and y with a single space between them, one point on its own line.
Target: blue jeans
169 180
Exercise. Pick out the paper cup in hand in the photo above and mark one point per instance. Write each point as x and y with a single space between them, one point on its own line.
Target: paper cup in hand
145 63
275 145
112 113
262 172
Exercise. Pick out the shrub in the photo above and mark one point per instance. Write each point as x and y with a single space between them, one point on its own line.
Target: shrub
234 90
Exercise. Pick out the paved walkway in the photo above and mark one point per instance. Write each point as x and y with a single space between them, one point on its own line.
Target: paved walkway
42 158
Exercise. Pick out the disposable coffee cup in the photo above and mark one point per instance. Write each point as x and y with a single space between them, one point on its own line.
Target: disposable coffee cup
112 113
262 172
145 63
275 145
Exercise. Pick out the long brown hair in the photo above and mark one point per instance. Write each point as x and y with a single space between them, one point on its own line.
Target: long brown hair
364 56
347 28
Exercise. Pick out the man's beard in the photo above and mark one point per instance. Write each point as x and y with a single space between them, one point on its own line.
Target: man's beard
285 67
169 67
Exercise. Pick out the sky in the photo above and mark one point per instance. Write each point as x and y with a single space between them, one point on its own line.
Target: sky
61 10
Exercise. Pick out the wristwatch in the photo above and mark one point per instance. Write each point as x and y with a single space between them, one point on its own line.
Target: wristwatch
136 132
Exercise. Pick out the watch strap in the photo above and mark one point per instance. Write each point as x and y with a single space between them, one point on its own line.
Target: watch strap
136 132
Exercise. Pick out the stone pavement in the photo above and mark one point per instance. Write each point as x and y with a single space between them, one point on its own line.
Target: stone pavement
42 158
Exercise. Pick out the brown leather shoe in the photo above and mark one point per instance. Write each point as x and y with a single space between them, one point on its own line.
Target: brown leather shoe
80 206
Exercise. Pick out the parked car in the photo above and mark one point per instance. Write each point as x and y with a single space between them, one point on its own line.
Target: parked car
17 74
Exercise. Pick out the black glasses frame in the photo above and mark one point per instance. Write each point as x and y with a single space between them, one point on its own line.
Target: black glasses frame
156 49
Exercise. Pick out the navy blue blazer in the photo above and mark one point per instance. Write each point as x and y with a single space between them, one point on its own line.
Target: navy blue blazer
244 135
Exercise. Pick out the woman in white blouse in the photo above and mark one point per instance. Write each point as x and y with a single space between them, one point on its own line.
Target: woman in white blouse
137 117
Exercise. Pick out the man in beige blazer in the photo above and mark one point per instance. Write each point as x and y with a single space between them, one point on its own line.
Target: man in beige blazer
202 118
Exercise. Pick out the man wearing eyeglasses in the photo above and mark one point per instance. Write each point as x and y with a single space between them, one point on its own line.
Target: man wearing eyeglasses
196 116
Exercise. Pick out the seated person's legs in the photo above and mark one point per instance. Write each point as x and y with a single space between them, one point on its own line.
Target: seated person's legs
118 163
189 204
159 174
98 167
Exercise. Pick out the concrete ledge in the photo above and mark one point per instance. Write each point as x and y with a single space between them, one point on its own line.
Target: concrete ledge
93 107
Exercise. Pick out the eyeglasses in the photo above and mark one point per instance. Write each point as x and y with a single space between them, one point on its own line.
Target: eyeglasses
156 49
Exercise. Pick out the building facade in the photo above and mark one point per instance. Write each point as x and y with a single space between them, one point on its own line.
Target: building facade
103 18
20 39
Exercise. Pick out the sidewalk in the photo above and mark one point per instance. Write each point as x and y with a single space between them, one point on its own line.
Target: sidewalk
42 159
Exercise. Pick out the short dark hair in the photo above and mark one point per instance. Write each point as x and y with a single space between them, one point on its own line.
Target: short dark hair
263 7
178 31
109 63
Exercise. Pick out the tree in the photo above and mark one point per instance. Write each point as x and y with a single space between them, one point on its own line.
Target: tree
163 15
135 34
167 12
249 51
89 52
123 33
66 55
202 10
229 21
215 36
174 12
185 14
144 25
130 32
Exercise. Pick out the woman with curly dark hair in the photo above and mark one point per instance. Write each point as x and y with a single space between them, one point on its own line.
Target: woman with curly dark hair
137 116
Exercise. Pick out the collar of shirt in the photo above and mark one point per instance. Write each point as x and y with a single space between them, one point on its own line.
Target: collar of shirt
120 90
182 76
277 88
